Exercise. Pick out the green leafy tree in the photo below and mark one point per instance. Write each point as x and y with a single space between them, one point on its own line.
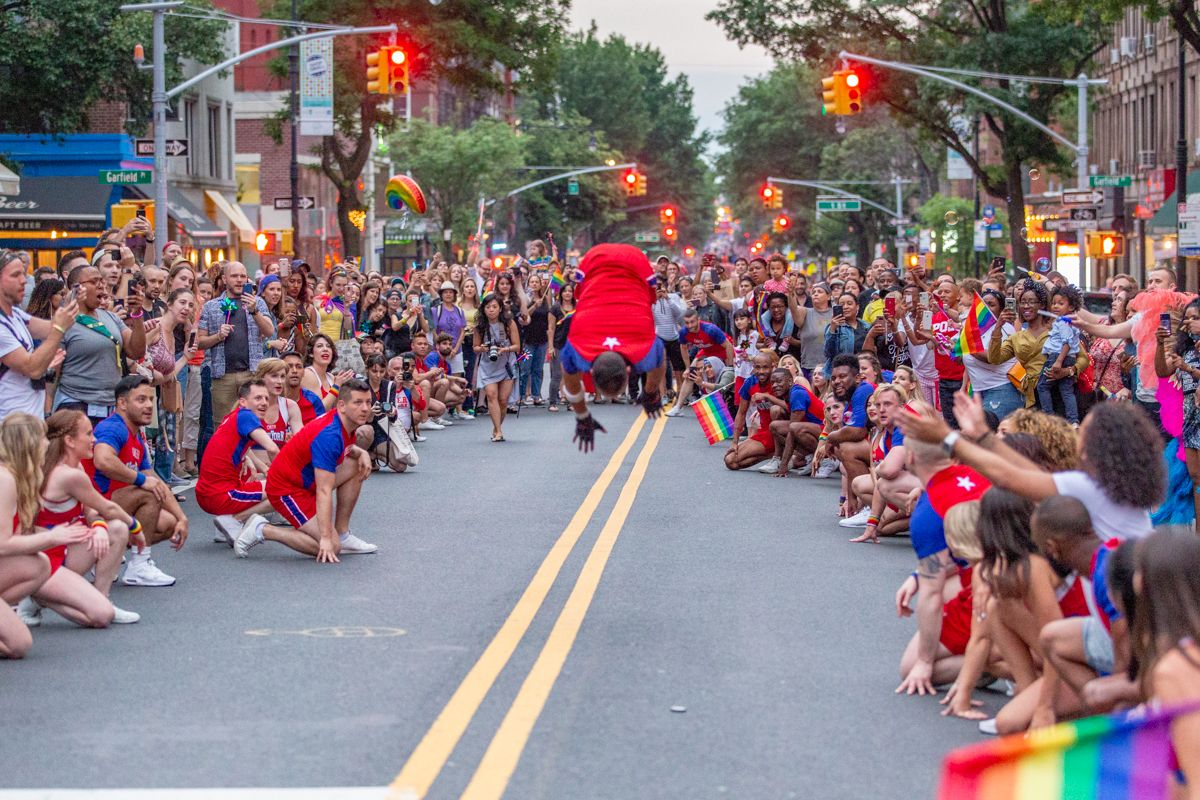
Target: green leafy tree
59 57
454 167
1007 36
459 42
949 218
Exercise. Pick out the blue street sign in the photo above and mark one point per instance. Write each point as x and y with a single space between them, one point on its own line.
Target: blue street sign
989 211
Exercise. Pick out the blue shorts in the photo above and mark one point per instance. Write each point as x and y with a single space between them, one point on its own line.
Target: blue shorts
573 363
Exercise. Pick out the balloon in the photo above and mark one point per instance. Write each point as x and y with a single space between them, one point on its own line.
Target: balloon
403 191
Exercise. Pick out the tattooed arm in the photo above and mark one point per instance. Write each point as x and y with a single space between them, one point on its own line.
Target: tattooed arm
933 571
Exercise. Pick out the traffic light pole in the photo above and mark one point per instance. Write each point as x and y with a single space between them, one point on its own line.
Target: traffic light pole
160 96
560 176
897 213
293 113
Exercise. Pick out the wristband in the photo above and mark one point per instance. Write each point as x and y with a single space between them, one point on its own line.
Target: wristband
59 328
136 527
872 521
139 480
335 391
572 398
138 315
100 524
915 577
822 437
582 415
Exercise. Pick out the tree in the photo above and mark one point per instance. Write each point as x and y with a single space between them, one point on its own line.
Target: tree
950 220
57 59
1004 36
460 43
454 167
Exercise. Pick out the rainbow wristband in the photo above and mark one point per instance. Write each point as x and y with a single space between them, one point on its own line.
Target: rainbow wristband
822 437
335 391
135 528
100 524
872 521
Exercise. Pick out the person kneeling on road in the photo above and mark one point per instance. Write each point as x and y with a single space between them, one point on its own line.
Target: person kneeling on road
317 466
756 398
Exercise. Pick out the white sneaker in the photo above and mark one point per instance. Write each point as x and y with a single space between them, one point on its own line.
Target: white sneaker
858 520
807 464
828 468
228 526
431 425
419 438
769 466
353 544
675 412
29 612
145 573
250 535
987 726
123 617
445 423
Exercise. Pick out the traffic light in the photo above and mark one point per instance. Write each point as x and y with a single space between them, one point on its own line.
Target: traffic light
842 92
377 72
689 251
666 215
630 179
397 70
772 196
781 223
670 234
1105 244
265 242
640 190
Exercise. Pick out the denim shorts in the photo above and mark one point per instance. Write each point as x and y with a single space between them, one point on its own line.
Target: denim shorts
1097 646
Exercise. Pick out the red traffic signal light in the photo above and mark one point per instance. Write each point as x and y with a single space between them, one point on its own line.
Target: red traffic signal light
670 234
264 242
782 223
397 56
768 193
666 215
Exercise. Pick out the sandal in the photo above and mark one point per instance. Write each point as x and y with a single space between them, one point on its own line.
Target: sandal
514 409
552 407
497 437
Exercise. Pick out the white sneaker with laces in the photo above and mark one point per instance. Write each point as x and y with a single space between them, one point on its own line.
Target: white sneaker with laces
858 520
431 425
769 466
828 468
144 572
353 544
29 612
444 422
420 438
250 535
675 412
228 526
123 617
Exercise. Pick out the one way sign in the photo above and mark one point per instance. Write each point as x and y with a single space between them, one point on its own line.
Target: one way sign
306 201
175 147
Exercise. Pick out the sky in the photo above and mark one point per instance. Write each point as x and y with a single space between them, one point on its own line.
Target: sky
691 44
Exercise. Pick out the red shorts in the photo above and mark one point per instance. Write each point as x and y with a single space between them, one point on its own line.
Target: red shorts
737 386
297 509
233 501
57 555
956 624
765 438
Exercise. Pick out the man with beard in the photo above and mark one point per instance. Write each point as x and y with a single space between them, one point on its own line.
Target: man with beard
849 444
756 398
234 345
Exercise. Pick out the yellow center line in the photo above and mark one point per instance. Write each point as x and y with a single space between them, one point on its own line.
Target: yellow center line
495 770
425 764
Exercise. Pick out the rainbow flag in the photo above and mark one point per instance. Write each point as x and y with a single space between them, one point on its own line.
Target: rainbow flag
557 281
976 322
1123 756
715 419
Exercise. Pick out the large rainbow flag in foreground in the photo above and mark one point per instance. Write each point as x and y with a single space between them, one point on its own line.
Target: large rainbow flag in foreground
976 322
1125 756
714 416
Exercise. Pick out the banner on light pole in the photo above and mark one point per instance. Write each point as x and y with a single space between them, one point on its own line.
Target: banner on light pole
316 87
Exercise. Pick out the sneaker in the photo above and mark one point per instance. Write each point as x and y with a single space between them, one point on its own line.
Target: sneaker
828 468
419 438
250 535
275 518
807 464
29 612
123 617
675 412
528 401
228 526
431 425
858 520
445 423
987 726
145 573
353 544
769 466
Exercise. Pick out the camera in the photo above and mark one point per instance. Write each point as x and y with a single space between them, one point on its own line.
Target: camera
493 353
387 407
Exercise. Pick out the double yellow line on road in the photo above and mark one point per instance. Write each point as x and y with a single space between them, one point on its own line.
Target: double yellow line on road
496 768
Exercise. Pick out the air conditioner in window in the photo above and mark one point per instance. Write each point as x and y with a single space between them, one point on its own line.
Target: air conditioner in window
1114 56
1128 46
1148 40
1146 159
1114 166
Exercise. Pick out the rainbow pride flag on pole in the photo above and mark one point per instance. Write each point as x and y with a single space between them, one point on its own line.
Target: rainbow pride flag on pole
1122 756
557 281
714 416
978 321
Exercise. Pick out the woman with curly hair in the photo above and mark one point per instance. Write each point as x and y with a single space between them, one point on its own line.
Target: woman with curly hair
1120 477
1059 440
1027 343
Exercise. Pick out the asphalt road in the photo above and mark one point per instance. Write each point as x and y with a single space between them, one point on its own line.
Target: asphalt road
716 636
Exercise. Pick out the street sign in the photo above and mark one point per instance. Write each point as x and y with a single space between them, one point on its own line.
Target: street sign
1080 219
980 239
1099 181
1189 229
124 177
839 205
645 237
175 147
306 201
989 211
573 186
1082 197
1084 214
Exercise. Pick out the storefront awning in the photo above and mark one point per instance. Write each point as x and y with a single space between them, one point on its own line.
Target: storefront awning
233 212
203 231
1165 220
55 212
10 182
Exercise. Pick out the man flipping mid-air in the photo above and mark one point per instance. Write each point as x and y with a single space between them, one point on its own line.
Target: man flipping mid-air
612 331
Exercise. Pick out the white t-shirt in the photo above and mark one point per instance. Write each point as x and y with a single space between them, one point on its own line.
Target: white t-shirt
983 375
1109 519
921 356
16 390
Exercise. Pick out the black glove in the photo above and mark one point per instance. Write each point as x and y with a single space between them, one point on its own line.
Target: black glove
651 402
585 433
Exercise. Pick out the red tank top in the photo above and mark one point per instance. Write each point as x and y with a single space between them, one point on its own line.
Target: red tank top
1071 598
277 430
48 517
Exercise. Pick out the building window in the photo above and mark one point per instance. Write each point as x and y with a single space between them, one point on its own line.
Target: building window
229 143
214 141
248 184
189 127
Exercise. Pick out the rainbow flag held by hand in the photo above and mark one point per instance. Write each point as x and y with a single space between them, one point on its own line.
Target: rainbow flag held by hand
557 281
976 322
715 419
1124 756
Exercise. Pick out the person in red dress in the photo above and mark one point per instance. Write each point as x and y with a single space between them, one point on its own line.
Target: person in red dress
612 333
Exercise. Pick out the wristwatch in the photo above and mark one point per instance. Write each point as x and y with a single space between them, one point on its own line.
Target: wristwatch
948 443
